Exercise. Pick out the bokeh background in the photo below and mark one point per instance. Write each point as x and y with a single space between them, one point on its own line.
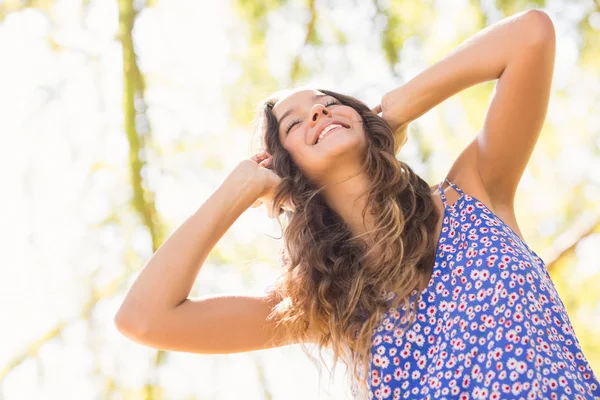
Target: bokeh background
120 118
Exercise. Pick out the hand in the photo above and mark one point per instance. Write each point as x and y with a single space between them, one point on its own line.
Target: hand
399 126
268 181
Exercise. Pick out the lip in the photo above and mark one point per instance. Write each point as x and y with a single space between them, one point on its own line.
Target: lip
323 126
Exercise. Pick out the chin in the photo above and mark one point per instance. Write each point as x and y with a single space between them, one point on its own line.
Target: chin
341 146
337 155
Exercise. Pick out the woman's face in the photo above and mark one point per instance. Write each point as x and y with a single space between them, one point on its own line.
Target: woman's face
302 115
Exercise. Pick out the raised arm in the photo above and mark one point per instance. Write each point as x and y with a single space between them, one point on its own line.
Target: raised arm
519 51
157 311
482 57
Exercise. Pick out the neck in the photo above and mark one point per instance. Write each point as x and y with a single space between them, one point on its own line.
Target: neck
344 197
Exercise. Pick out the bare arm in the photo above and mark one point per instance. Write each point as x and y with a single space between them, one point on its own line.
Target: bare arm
519 51
216 324
167 278
482 57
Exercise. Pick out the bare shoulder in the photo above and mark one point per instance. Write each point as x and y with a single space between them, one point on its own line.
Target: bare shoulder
465 175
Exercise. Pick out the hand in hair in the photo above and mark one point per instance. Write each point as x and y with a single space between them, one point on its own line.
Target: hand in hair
268 180
398 125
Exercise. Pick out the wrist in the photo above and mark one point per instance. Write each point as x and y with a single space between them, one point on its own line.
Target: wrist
395 104
245 176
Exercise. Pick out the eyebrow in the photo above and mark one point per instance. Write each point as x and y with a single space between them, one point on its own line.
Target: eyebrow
291 110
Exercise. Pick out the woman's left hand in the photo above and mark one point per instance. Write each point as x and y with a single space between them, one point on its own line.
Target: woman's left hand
399 127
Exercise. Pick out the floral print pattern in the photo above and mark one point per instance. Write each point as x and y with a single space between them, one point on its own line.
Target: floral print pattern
490 324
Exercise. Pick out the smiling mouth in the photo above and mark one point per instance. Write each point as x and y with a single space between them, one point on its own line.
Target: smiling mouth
328 133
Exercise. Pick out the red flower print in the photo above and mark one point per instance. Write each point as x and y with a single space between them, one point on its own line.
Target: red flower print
491 315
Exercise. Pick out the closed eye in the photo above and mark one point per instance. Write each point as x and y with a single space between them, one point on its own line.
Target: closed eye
294 122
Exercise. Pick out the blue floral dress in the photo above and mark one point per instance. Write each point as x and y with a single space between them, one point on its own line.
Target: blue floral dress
490 324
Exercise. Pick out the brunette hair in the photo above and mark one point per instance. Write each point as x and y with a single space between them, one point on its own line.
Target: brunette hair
326 293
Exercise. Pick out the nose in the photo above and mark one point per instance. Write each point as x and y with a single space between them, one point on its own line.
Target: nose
316 112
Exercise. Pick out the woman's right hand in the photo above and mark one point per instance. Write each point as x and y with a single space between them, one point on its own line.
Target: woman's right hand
268 181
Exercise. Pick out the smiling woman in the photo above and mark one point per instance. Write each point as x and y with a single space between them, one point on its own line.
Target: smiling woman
422 294
354 202
304 114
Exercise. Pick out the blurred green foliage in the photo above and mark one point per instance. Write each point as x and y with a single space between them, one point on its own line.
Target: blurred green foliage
399 22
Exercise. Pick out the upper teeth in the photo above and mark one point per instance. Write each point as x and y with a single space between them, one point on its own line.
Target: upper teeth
327 129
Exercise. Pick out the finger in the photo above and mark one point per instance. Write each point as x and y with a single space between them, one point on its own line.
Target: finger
256 204
267 162
260 156
377 109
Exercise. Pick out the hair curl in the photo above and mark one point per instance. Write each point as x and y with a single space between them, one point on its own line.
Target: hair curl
327 294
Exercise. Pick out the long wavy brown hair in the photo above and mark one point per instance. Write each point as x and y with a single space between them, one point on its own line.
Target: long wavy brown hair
327 293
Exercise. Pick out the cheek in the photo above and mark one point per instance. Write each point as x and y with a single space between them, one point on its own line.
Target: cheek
291 145
296 149
295 142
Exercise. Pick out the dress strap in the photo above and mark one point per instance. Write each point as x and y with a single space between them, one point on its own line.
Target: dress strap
455 187
441 189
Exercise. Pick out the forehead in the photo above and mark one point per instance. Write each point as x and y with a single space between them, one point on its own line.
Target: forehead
293 99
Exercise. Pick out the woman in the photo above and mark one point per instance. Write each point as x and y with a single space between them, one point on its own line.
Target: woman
428 291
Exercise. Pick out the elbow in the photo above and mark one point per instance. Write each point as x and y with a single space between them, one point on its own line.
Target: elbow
127 325
540 27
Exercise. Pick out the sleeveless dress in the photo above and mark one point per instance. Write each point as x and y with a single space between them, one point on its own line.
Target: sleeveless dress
490 324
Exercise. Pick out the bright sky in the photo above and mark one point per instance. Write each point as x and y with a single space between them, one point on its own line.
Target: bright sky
63 165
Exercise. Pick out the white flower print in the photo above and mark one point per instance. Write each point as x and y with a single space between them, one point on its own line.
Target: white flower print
384 362
491 324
